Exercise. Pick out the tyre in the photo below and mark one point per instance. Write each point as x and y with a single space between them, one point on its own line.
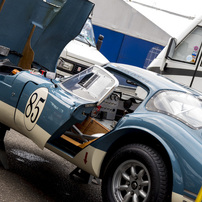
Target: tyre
135 173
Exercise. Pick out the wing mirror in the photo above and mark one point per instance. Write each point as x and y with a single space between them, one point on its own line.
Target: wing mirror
170 48
99 42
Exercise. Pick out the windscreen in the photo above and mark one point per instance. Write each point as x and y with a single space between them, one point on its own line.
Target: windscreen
188 50
94 84
87 34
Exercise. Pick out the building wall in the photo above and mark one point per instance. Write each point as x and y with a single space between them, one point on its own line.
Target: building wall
121 48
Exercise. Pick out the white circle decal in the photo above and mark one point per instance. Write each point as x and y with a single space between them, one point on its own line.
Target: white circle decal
189 58
34 107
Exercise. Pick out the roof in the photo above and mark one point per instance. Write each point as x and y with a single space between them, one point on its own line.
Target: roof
119 16
148 78
171 16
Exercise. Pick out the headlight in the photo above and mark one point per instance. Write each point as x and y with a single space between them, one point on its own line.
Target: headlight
65 65
182 106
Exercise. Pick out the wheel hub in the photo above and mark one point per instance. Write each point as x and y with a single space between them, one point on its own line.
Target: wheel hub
131 181
134 185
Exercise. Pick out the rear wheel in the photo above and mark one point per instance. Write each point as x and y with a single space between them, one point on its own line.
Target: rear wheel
135 173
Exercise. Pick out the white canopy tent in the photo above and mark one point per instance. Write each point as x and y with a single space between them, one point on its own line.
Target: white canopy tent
170 16
119 16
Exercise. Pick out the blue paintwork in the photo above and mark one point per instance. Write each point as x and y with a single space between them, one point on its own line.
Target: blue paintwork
59 104
174 136
54 24
16 22
63 109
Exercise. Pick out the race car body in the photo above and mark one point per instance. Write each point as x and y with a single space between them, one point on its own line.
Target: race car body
136 130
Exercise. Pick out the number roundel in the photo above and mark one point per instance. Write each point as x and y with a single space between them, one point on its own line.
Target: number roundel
34 107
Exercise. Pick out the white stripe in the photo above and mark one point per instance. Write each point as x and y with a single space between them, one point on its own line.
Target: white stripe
180 198
37 135
94 159
7 114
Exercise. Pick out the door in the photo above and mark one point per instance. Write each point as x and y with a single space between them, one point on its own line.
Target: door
183 63
30 106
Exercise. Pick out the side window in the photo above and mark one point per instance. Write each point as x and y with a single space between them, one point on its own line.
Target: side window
131 92
187 51
130 88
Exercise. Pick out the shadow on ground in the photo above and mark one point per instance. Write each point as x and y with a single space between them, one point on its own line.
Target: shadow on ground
40 175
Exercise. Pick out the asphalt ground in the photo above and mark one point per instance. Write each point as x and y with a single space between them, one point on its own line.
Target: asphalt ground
40 175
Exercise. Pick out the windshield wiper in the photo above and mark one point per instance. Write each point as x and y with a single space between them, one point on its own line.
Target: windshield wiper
89 43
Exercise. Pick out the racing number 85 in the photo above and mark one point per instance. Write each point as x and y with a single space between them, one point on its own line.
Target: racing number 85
31 110
34 107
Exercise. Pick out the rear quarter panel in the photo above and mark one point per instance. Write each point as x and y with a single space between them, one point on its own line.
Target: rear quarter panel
182 144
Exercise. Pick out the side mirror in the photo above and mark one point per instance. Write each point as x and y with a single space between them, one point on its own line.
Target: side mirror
170 48
99 42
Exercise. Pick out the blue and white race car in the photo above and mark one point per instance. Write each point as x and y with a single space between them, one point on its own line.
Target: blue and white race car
134 129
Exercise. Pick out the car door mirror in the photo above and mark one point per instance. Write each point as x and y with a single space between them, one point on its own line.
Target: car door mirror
171 48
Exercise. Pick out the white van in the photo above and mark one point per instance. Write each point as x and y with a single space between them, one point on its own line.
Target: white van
181 59
81 52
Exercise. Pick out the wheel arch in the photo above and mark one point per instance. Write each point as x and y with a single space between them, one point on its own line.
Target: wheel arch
151 139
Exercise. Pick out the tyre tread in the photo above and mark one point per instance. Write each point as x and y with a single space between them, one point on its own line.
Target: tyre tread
157 159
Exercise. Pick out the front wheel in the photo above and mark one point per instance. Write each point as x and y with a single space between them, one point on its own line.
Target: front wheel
135 173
